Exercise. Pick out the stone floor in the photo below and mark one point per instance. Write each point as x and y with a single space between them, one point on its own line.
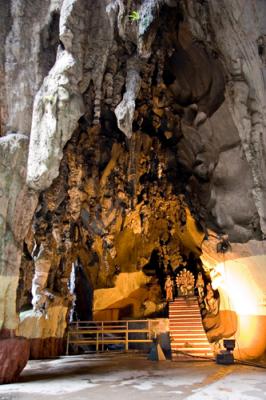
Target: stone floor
131 376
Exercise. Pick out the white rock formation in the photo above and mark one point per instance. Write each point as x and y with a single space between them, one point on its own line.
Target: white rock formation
16 209
125 110
29 49
58 104
57 108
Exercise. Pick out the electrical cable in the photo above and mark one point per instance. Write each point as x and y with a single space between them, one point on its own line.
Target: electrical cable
237 361
178 352
250 364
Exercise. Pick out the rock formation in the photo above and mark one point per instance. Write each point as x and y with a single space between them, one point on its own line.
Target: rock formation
124 141
16 208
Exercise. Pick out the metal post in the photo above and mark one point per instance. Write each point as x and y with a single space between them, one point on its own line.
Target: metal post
126 347
102 337
67 343
149 328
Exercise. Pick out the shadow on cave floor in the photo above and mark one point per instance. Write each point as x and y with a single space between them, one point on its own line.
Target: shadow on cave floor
73 366
134 377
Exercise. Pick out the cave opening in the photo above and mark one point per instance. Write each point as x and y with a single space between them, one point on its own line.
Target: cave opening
159 268
49 42
134 196
81 288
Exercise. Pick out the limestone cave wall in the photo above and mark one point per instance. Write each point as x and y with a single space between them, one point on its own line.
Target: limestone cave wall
131 132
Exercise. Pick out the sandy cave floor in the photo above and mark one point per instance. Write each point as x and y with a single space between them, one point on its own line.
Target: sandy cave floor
129 376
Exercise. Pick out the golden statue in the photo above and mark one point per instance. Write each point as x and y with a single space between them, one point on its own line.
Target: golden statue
169 288
212 304
200 285
185 283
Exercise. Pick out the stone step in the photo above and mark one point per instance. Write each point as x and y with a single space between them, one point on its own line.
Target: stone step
183 309
185 322
188 338
192 342
189 344
182 315
187 331
187 334
179 305
194 345
184 303
192 350
179 357
183 357
184 306
178 320
182 322
176 314
184 300
186 341
191 318
185 319
187 327
183 312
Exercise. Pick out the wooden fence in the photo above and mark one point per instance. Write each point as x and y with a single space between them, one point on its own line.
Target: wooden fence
101 333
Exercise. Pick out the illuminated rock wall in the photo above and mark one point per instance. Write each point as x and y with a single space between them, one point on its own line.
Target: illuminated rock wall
239 276
45 332
130 297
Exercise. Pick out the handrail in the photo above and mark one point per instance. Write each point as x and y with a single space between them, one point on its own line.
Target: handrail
99 329
106 322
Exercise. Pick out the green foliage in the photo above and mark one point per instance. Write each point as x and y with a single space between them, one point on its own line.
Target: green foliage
49 99
134 16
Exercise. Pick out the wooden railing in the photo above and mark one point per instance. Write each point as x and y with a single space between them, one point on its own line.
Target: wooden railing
101 333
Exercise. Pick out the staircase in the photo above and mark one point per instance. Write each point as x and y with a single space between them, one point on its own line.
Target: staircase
187 335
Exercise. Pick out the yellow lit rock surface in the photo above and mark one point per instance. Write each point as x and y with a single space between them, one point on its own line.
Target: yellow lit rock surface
50 325
130 291
8 314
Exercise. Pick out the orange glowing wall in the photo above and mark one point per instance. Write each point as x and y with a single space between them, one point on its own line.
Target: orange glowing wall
242 285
